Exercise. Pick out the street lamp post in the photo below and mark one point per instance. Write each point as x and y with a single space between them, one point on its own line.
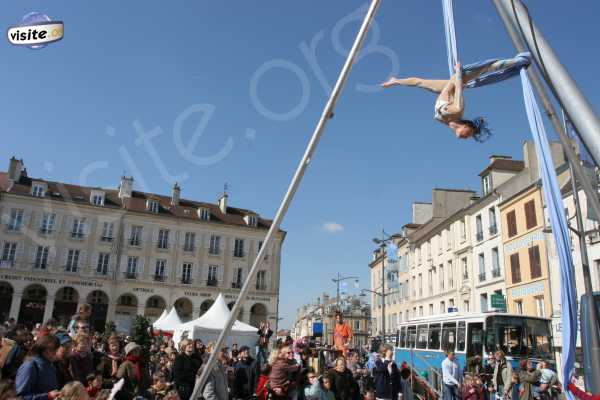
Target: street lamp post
383 242
337 282
383 295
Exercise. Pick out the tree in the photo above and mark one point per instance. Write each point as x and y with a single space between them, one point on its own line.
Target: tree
140 332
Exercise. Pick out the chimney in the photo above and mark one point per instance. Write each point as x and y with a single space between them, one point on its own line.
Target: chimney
495 157
15 169
125 187
175 195
222 202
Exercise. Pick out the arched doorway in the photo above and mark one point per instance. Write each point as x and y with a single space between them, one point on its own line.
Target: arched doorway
240 312
33 305
184 308
65 305
258 314
125 311
6 293
99 302
205 306
154 307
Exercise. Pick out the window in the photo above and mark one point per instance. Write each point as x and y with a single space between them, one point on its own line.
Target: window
461 336
434 337
492 217
38 190
484 302
237 278
15 222
465 268
8 253
530 217
481 258
215 245
463 230
535 264
414 287
103 262
41 257
448 239
153 206
540 306
479 227
238 248
251 220
450 275
78 228
186 273
163 239
430 281
511 223
411 337
97 198
420 311
449 336
442 307
135 238
189 242
159 271
486 184
420 285
442 277
431 309
72 260
495 263
107 231
261 280
466 306
204 214
519 306
212 279
132 263
422 336
451 303
48 223
515 268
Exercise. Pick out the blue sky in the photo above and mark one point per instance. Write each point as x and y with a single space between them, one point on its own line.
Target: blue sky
229 96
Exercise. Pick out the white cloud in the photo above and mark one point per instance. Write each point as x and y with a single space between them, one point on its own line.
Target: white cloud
332 227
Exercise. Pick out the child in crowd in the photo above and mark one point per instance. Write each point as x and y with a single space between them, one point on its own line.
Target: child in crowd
472 388
81 362
94 384
327 392
513 387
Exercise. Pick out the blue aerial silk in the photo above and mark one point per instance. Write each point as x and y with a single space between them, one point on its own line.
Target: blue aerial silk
560 231
504 69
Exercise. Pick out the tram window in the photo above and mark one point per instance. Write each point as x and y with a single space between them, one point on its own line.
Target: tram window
460 336
509 335
403 336
422 337
538 338
434 337
475 338
449 337
411 333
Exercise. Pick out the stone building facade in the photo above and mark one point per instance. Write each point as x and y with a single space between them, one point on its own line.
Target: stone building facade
126 252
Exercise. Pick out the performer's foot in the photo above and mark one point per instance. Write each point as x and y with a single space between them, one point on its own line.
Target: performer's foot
391 82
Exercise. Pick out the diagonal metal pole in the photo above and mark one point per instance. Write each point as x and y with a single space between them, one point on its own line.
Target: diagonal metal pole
506 14
293 187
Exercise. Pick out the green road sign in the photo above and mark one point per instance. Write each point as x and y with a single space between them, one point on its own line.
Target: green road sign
498 301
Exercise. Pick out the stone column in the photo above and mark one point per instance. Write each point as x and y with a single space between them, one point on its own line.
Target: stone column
15 306
140 308
48 309
111 310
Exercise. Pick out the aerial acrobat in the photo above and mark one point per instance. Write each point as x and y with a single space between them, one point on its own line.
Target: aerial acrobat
450 103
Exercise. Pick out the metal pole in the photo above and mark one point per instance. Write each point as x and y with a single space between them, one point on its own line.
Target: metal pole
594 385
293 187
383 290
338 293
505 13
576 106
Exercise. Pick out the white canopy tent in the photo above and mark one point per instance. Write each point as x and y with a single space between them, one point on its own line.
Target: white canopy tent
208 327
162 316
168 322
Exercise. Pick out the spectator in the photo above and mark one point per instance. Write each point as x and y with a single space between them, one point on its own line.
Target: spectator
528 377
74 391
93 385
81 361
451 378
284 372
405 382
62 359
185 368
345 386
342 335
84 311
22 343
216 385
136 381
386 375
313 390
262 391
246 375
8 391
512 391
327 391
502 374
111 360
580 394
264 335
472 388
36 377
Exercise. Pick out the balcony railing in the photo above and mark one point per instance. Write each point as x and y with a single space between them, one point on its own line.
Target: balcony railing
479 236
189 248
101 272
214 252
72 269
493 229
46 231
482 277
212 282
239 254
137 242
40 265
7 263
261 286
13 228
495 272
236 285
186 280
160 277
77 235
130 275
162 245
107 239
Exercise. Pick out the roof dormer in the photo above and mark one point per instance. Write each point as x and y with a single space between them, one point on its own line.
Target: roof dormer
97 197
251 219
39 188
153 205
204 213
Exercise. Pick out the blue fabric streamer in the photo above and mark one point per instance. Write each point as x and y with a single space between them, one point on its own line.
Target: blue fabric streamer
485 72
560 231
450 34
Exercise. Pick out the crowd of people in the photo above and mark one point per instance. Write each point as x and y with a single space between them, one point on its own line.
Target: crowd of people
51 362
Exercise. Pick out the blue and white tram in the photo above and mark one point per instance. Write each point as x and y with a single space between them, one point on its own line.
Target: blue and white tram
423 341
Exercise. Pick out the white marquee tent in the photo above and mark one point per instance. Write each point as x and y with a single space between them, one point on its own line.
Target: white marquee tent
168 322
162 316
208 327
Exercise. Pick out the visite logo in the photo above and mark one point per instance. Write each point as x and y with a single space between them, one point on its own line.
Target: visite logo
35 31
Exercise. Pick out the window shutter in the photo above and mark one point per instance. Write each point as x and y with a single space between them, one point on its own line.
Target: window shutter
83 261
206 239
179 271
26 218
57 222
535 262
515 268
123 266
36 219
155 235
140 265
95 257
63 260
220 273
204 273
127 230
268 279
32 253
51 255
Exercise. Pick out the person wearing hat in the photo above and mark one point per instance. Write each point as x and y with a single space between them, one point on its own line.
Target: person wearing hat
185 368
246 375
216 387
133 373
342 334
62 359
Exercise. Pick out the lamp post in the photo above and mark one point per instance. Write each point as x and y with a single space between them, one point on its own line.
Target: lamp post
383 295
383 242
337 282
